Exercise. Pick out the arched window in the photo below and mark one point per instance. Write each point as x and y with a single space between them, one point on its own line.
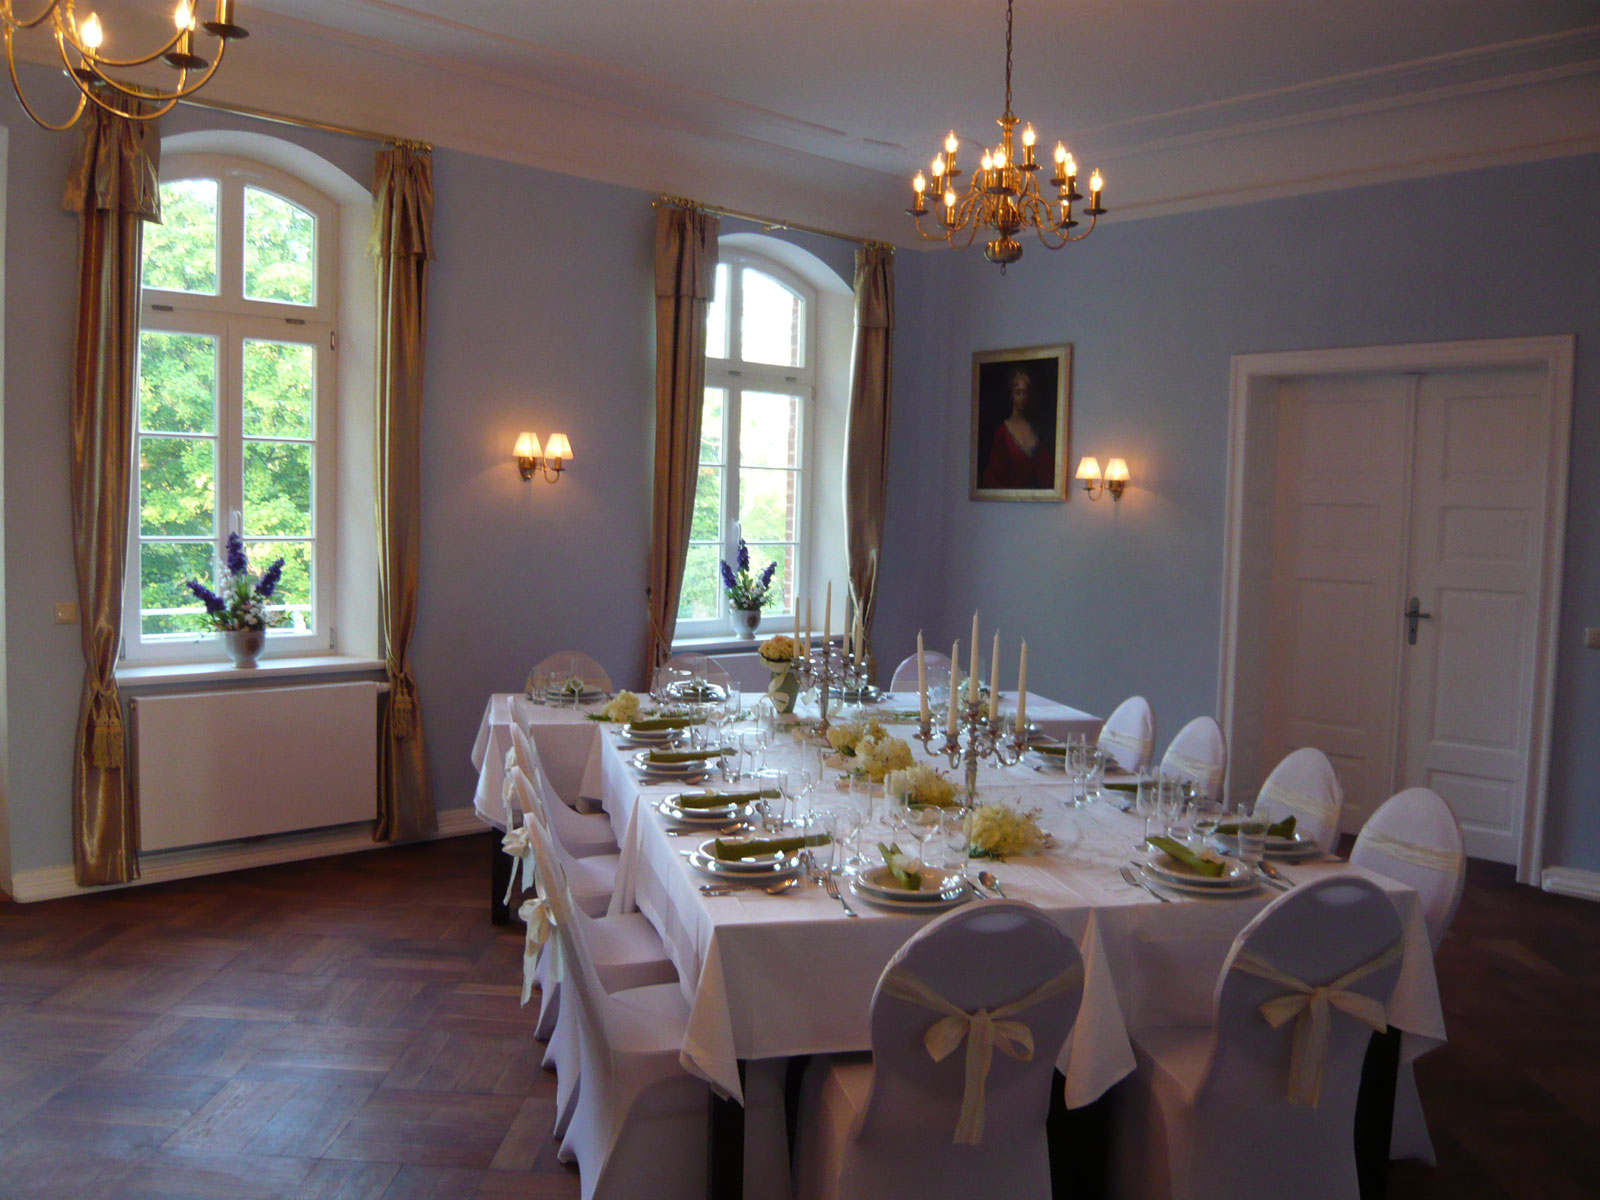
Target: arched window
756 438
237 402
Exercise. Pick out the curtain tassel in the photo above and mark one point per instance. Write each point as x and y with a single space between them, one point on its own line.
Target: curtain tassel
105 732
402 709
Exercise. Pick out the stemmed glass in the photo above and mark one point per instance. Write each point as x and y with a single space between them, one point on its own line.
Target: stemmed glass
766 725
749 751
1205 814
1174 802
955 832
1146 800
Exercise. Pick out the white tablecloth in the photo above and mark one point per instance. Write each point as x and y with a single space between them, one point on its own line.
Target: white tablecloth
772 977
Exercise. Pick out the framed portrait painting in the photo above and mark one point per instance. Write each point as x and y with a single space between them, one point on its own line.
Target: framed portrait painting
1020 405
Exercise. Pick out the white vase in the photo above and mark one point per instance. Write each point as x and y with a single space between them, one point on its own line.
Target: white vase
744 622
244 646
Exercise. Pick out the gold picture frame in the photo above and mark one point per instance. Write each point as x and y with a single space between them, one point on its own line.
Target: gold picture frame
1019 445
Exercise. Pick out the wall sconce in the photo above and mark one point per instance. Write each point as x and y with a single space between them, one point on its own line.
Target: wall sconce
550 461
1096 485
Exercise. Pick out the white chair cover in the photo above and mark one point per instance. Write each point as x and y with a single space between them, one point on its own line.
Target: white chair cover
583 835
1304 785
1129 735
1200 755
905 675
692 666
1414 838
572 664
747 672
1215 1112
953 1099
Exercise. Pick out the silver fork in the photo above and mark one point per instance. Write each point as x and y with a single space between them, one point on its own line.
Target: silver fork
832 886
1135 880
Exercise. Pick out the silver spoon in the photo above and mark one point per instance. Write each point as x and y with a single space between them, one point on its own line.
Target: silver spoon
989 881
728 889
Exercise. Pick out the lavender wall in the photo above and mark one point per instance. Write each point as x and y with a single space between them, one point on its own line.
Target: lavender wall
1125 598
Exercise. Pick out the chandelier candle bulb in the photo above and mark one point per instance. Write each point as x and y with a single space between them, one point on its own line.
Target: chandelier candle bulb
92 33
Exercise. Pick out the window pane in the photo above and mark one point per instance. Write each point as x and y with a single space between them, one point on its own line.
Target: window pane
277 489
782 589
769 430
717 316
711 425
279 249
166 605
706 523
292 597
180 254
768 504
177 382
771 322
279 388
700 584
177 486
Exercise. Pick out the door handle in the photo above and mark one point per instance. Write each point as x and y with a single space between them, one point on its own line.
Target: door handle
1414 614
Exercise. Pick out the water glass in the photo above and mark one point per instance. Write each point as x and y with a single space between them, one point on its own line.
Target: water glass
822 861
771 779
955 833
1205 814
1094 771
1173 803
1252 834
1146 802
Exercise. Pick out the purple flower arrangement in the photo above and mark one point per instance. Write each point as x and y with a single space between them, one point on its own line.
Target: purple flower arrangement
241 602
746 591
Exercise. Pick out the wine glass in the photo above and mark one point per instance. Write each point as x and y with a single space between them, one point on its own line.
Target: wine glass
1146 801
923 822
749 751
1205 816
766 724
1173 802
955 833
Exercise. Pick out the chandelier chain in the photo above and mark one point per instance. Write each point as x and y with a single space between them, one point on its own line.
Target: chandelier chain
1008 58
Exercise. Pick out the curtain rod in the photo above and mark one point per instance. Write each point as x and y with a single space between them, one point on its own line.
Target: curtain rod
262 114
769 223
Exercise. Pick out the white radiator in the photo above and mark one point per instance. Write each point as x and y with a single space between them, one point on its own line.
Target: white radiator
216 766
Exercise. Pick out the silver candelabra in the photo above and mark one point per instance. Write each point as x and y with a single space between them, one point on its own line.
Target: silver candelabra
975 739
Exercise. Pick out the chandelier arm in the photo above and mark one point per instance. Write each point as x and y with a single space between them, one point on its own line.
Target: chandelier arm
44 15
1092 219
155 95
16 84
96 61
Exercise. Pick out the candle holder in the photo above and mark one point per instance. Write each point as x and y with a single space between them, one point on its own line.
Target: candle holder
820 669
976 738
855 681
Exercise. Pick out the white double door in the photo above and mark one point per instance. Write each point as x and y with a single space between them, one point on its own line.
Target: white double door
1424 494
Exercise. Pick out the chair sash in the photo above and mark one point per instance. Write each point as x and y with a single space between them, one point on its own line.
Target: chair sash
1432 857
1311 1008
540 919
1322 809
1140 745
507 791
516 843
984 1030
1204 772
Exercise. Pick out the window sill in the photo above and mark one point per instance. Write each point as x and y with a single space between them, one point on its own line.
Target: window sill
272 668
725 643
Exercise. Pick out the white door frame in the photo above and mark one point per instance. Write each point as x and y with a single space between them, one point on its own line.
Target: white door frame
1252 373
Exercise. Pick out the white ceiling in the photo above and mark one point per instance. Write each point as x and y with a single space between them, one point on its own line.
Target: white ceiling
819 110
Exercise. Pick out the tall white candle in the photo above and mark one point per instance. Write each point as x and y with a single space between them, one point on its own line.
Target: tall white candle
808 626
972 673
994 680
827 618
922 681
797 624
1022 690
861 659
955 692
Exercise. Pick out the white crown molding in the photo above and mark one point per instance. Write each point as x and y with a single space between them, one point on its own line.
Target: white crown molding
1571 881
1513 102
52 883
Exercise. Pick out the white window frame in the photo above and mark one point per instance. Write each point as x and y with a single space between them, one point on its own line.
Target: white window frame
232 320
734 375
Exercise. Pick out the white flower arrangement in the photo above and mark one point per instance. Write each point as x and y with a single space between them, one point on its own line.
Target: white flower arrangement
1002 831
919 783
876 757
623 707
845 738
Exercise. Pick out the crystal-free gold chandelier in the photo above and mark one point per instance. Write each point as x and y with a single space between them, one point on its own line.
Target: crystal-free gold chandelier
1003 195
79 44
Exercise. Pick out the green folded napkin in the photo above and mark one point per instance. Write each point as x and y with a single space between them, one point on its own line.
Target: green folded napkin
758 847
1172 848
722 799
684 756
1130 788
910 880
1278 829
653 724
1049 748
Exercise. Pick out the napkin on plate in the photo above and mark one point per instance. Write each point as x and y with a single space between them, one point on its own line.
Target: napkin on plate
895 859
1278 829
683 756
722 799
1212 868
1054 749
759 847
653 724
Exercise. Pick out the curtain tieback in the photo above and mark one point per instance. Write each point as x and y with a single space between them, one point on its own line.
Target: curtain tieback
1204 772
541 922
105 728
1322 809
985 1031
1432 857
402 704
1311 1008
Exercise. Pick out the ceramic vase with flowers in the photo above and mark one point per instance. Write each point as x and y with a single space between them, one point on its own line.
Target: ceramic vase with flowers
784 687
747 593
238 610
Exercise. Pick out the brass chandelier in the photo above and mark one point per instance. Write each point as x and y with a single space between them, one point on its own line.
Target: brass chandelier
1003 196
79 44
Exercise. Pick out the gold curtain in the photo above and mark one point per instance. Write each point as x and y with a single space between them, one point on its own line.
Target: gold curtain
114 189
402 243
686 268
866 439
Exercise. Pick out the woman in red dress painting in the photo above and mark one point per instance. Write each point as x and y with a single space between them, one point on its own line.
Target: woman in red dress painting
1018 456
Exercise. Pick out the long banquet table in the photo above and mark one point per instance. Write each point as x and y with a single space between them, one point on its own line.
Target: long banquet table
771 978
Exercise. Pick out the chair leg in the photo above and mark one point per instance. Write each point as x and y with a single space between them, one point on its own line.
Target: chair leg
1079 1140
725 1147
1375 1113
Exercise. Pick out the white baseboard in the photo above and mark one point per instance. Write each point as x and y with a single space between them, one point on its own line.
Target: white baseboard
51 883
1571 881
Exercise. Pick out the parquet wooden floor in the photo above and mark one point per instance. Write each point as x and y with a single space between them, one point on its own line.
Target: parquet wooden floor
349 1028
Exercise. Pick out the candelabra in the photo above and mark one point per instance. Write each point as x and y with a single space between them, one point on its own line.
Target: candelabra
822 668
975 739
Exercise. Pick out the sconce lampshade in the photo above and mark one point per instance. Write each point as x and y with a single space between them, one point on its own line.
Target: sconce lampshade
527 446
557 447
1089 468
1116 471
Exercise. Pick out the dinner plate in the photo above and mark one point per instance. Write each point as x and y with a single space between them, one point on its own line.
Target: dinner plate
1047 762
909 906
710 864
1189 888
1235 874
937 885
696 693
652 737
766 862
557 695
672 769
722 814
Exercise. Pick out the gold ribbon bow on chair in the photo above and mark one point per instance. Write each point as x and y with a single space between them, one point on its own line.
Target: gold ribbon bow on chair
517 844
540 919
1311 1008
985 1031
